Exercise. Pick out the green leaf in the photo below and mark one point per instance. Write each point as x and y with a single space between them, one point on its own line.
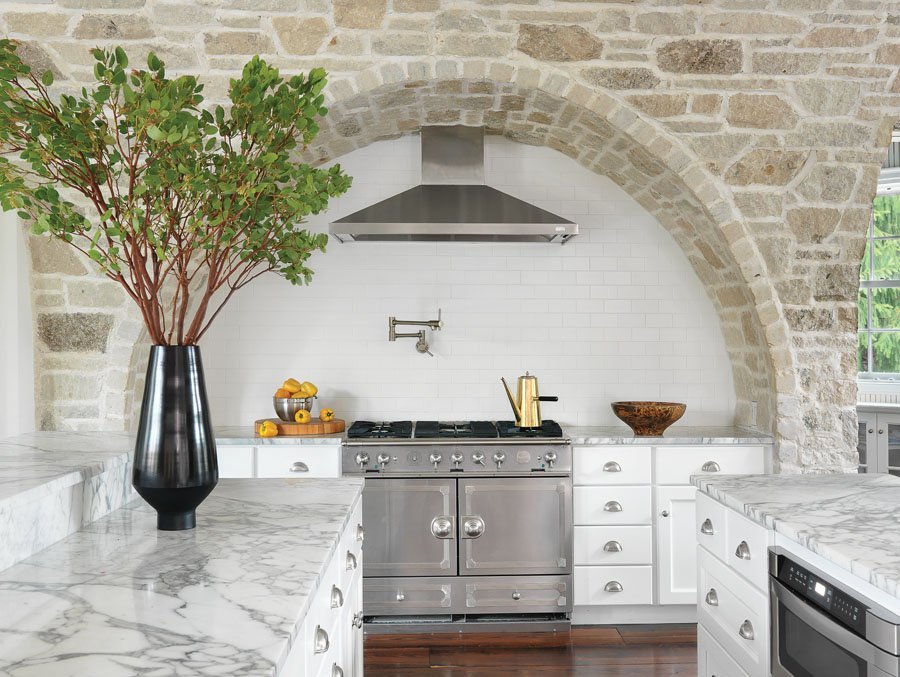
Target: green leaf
155 133
47 78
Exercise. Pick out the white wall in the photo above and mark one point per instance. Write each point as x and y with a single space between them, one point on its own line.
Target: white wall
617 313
16 352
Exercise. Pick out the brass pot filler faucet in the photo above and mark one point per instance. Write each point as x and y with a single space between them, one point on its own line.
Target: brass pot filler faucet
422 343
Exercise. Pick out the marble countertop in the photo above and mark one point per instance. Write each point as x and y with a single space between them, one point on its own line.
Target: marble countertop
850 520
227 598
36 464
674 435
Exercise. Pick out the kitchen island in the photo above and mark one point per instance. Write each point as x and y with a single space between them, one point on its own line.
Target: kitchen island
250 591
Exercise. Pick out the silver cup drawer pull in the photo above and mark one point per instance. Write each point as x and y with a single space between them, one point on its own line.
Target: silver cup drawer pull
746 630
612 506
710 466
320 641
360 533
612 546
336 670
613 586
351 561
612 466
712 597
707 527
357 621
337 597
299 466
742 551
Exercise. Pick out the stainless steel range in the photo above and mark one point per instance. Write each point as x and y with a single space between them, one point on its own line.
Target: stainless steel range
468 524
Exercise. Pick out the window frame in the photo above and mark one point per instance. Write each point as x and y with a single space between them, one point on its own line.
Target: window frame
886 187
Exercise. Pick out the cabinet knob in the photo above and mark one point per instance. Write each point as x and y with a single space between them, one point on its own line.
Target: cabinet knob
337 597
707 527
299 466
357 621
517 595
613 506
746 630
320 642
881 431
871 431
742 551
612 466
612 546
710 466
613 586
400 596
664 513
712 597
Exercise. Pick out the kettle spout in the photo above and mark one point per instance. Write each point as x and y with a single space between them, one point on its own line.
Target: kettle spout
512 401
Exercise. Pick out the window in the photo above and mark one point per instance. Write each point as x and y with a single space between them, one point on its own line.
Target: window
878 353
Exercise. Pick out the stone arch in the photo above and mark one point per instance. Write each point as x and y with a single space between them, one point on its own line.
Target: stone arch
609 137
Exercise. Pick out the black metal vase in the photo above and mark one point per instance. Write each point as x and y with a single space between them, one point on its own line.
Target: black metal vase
175 464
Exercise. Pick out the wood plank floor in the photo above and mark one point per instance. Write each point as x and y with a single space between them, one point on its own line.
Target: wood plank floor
599 651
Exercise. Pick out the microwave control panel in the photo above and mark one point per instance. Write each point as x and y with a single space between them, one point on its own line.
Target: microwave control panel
839 605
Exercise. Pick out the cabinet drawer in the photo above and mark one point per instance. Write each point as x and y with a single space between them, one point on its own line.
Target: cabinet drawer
711 526
747 549
234 460
613 585
734 613
612 505
298 461
350 548
614 545
712 659
675 465
407 596
611 465
511 594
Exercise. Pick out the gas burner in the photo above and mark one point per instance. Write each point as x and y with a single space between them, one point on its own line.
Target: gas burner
547 429
455 429
380 430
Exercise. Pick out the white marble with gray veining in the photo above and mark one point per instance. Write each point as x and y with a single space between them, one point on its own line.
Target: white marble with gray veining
675 435
245 435
227 598
851 520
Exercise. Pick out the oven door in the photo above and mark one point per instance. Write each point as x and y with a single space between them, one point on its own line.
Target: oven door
515 525
808 643
410 527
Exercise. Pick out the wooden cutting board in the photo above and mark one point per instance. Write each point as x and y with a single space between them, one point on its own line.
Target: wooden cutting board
316 426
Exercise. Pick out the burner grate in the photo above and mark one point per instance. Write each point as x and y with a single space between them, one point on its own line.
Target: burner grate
380 430
455 429
548 429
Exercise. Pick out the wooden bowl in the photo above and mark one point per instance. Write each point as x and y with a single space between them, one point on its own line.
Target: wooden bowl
648 419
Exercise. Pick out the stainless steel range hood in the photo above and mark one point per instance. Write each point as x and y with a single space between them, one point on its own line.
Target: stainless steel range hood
452 204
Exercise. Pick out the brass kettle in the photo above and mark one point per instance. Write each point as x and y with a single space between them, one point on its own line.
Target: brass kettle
526 405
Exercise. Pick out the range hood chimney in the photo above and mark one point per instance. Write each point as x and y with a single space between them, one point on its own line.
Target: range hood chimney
453 204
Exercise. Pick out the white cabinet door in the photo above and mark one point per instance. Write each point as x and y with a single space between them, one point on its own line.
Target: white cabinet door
867 444
235 460
676 545
300 461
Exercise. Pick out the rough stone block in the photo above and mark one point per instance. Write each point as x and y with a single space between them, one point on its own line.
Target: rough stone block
660 105
558 43
113 27
359 13
770 167
701 56
622 78
300 36
761 111
74 332
238 42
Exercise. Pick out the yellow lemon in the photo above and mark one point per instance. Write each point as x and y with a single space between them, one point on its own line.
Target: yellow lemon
326 414
268 429
302 416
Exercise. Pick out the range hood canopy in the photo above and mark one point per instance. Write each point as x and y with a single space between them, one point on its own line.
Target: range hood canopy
452 204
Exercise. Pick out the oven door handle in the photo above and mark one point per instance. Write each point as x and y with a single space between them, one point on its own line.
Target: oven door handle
828 628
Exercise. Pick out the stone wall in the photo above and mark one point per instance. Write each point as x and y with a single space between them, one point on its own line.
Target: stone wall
752 129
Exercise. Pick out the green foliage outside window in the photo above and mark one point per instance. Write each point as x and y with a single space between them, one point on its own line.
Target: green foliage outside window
881 266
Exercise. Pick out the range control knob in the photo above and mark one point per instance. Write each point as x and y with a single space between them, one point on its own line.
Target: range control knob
434 459
456 458
550 457
499 457
384 459
478 458
362 459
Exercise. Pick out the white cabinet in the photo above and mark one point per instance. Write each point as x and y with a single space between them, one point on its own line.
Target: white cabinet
635 524
879 442
329 643
279 460
235 460
677 563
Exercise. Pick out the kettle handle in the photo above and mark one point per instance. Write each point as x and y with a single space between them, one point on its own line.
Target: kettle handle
548 398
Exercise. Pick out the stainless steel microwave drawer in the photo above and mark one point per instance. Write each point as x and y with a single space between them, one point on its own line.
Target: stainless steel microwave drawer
518 594
409 596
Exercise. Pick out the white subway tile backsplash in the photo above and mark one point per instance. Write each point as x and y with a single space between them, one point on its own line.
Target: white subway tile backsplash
617 313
